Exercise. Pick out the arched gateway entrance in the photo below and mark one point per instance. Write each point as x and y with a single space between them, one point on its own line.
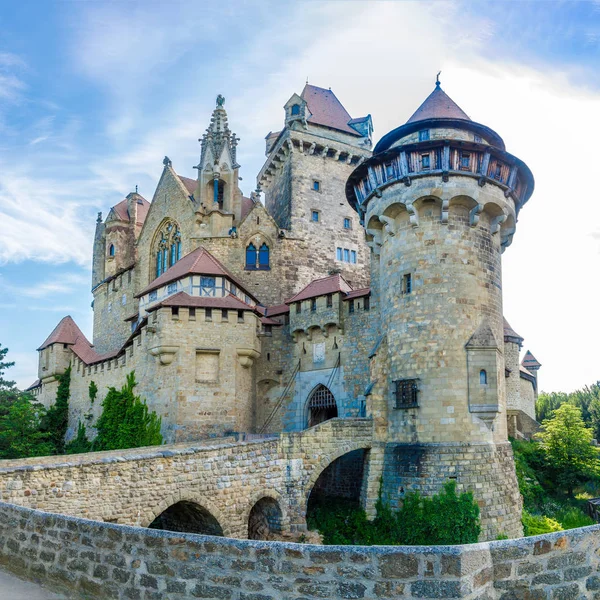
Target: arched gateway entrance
321 406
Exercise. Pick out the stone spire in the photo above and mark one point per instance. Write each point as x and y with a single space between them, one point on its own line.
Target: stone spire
217 138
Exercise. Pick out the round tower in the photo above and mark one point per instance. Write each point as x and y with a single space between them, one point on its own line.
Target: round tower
439 201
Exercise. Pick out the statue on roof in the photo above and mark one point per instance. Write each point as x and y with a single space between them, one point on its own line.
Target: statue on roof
220 101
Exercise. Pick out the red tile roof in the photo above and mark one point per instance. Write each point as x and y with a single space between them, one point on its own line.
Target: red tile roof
247 204
326 109
190 184
530 361
438 105
142 209
268 321
279 309
198 262
185 300
510 335
358 293
320 287
66 332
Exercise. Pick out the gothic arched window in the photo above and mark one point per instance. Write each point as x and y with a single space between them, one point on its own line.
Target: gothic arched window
483 377
263 257
251 256
111 250
167 249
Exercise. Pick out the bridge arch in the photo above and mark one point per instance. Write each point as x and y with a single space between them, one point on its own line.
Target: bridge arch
330 461
204 515
266 514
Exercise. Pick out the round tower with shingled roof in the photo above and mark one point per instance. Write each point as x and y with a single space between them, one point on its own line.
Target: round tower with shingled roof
439 200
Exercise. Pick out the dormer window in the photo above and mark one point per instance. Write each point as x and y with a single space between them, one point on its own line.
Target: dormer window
295 109
423 135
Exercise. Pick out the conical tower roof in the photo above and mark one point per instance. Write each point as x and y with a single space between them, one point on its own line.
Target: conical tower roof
530 362
438 105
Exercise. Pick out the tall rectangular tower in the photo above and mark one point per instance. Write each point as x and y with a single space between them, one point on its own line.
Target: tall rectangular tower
304 178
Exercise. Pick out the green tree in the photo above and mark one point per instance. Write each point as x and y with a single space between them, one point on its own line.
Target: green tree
566 443
546 404
81 443
4 365
56 420
93 391
20 434
125 421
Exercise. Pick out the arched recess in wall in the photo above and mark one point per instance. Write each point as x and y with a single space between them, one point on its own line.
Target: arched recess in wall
166 248
321 406
340 482
187 517
265 520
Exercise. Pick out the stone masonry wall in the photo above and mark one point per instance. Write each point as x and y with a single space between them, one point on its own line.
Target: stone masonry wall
98 560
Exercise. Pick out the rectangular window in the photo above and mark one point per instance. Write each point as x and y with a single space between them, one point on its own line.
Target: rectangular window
329 300
498 173
172 288
367 303
207 282
316 186
407 283
353 256
192 314
346 255
314 217
406 392
338 254
175 312
298 307
465 161
224 314
423 135
425 161
233 289
240 316
347 223
313 304
389 171
351 306
208 314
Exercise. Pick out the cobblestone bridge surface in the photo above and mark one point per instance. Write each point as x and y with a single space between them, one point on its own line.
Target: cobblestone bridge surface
134 487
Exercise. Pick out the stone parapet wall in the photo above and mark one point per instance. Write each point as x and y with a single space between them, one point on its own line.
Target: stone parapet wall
88 559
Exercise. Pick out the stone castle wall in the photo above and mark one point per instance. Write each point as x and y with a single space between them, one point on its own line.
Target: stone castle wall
98 560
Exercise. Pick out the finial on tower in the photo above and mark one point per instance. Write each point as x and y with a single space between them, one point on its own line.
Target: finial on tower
99 218
220 101
437 79
167 161
136 188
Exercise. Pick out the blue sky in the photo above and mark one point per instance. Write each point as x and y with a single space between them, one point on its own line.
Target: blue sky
93 95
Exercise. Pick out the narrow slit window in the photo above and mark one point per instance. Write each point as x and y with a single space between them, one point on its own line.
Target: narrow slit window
313 304
351 306
483 377
347 223
316 186
329 300
298 307
208 314
314 216
407 283
240 316
224 314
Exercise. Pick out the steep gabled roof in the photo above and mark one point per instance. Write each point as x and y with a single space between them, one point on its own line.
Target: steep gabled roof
530 362
326 109
198 262
247 205
66 332
121 209
438 105
321 287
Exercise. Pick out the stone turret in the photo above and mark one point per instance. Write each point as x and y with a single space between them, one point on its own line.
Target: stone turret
218 173
439 200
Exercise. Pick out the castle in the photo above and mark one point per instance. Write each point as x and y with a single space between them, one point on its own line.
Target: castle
368 284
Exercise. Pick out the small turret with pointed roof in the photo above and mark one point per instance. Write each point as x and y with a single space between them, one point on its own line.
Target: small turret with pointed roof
530 362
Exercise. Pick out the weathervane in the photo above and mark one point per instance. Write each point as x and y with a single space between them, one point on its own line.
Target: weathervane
437 79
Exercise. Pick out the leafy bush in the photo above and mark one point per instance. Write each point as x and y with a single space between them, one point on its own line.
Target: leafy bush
125 421
56 420
538 524
445 518
92 391
80 444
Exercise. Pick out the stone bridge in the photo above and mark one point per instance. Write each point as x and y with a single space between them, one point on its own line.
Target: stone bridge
201 488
